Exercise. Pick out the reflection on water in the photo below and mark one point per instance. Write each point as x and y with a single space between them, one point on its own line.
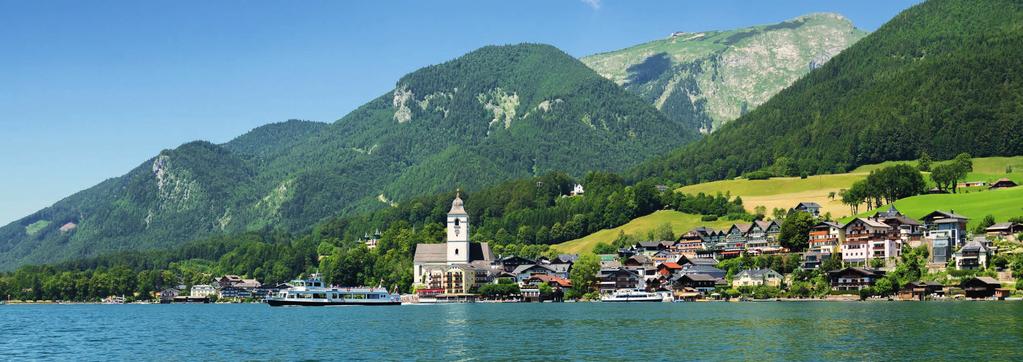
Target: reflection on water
592 331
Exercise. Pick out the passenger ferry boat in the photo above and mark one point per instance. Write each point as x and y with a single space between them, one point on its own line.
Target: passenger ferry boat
313 292
632 295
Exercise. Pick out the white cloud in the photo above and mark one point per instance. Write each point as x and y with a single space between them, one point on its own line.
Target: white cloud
595 4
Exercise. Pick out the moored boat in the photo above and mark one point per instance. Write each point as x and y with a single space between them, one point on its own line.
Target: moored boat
313 292
632 295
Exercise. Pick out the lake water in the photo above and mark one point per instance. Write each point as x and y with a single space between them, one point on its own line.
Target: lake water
876 331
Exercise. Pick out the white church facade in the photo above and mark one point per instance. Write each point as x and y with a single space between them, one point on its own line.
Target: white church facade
458 265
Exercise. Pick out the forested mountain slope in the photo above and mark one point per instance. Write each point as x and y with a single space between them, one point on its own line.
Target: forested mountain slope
497 113
942 77
709 78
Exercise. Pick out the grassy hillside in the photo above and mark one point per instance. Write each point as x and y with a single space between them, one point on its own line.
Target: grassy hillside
785 192
680 223
944 76
975 204
711 77
494 114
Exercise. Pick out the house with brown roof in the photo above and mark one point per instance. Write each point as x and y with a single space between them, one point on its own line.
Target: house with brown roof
1003 183
980 287
1005 230
865 239
854 279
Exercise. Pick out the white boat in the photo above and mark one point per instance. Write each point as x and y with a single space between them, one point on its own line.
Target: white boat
312 292
632 295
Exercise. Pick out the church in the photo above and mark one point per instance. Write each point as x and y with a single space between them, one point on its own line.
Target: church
458 266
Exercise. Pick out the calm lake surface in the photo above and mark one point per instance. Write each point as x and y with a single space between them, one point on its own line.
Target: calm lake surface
876 331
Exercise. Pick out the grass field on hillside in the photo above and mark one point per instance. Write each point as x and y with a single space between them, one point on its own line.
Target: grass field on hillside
784 192
1003 204
680 223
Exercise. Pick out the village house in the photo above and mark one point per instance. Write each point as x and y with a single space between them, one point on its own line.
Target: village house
952 225
202 291
702 282
523 272
814 259
577 190
668 269
167 295
610 280
906 229
809 207
865 239
853 279
919 290
762 237
826 237
703 269
980 287
699 238
684 260
1003 183
757 277
973 255
1004 230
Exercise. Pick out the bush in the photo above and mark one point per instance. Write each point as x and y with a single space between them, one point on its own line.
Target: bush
758 175
709 218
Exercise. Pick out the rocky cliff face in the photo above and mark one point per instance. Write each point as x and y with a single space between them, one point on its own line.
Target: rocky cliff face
706 79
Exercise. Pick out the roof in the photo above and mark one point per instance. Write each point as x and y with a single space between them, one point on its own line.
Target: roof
974 245
438 253
944 215
758 273
1003 182
863 271
699 277
869 222
765 224
640 258
456 205
431 253
671 265
523 268
743 228
568 258
699 261
828 224
1001 226
808 204
988 280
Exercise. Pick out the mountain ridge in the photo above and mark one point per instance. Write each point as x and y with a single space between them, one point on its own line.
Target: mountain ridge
494 114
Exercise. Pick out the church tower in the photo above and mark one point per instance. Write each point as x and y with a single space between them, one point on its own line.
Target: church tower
458 232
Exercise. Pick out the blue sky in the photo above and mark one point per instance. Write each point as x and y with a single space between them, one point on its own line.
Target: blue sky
90 90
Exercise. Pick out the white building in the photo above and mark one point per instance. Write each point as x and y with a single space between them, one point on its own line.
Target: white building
578 190
457 265
202 291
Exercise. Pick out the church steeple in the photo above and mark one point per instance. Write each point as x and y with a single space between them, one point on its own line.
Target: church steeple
458 232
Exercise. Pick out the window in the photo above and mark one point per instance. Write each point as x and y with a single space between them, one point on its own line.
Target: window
456 251
456 222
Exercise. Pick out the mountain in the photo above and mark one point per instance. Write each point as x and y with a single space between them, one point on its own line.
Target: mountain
709 78
494 114
942 77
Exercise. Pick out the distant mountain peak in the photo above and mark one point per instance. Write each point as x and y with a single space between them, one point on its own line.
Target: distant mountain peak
708 78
